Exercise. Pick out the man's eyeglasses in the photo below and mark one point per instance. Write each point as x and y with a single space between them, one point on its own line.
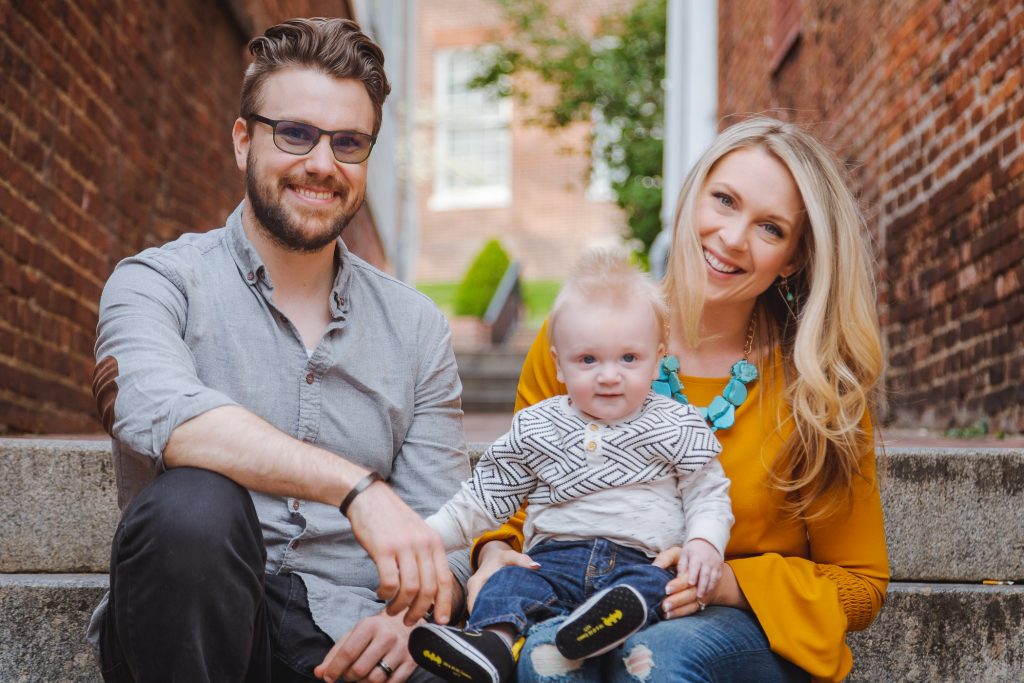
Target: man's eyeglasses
349 146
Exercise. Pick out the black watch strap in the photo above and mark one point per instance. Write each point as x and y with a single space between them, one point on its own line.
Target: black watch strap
360 486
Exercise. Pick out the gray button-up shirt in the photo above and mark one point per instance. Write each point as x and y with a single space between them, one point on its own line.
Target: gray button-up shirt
192 326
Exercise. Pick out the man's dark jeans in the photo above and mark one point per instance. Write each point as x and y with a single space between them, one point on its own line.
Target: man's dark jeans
189 598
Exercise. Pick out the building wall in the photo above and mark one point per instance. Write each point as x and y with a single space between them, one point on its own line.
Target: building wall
549 221
115 123
923 100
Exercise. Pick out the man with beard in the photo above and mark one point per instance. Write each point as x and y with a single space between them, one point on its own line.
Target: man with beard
258 378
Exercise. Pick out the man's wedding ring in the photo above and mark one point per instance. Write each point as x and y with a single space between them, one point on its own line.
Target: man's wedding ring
386 668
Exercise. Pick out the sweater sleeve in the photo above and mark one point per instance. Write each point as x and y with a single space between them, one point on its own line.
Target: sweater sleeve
806 605
538 380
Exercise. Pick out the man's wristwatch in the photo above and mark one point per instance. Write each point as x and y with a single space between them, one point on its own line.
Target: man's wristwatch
360 486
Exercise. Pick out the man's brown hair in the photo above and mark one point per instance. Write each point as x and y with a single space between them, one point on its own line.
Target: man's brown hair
336 47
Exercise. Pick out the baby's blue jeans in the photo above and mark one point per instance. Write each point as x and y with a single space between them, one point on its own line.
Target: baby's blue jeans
570 572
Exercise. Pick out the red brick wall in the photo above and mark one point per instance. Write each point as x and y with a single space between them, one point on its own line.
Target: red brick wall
115 124
924 101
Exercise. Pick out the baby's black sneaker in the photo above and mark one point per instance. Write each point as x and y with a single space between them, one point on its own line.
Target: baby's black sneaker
461 656
602 623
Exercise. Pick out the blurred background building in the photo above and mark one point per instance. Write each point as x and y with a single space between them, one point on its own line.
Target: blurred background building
115 135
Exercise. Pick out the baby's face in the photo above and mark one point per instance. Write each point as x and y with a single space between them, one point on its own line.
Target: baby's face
607 355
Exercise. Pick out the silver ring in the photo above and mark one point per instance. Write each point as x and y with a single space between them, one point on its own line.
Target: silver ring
701 606
386 668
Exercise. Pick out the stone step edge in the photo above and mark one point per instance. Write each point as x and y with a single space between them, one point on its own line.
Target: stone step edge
919 548
93 580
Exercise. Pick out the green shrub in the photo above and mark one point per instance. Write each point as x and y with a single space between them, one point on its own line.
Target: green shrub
481 280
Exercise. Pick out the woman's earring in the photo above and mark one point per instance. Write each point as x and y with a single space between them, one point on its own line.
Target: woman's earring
782 286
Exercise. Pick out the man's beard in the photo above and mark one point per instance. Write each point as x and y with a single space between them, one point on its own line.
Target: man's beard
276 222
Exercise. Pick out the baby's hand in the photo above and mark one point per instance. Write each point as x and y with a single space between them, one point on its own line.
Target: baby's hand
701 564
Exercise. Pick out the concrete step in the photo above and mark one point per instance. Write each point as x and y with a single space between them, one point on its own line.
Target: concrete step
952 515
489 399
59 506
42 627
926 632
489 378
497 363
943 633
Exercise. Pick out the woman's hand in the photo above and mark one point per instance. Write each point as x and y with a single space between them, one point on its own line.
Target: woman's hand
681 595
492 557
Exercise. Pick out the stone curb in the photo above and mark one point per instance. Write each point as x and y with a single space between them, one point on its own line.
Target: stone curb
925 632
951 514
943 632
42 627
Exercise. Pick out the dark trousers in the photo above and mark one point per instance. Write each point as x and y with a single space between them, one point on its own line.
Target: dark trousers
189 596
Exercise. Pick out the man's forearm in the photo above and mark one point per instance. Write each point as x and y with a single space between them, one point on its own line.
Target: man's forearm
250 451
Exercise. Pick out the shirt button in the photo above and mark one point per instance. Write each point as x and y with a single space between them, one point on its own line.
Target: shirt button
341 301
295 505
250 276
593 428
591 446
295 545
309 378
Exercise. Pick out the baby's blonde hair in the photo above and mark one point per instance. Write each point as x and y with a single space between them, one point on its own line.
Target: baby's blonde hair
607 276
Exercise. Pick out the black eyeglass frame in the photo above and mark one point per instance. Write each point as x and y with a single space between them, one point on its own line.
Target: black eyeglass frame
320 133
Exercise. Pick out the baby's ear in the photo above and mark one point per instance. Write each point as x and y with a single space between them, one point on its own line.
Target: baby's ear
558 367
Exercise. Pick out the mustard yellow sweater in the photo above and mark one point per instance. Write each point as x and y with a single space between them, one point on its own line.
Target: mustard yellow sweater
808 584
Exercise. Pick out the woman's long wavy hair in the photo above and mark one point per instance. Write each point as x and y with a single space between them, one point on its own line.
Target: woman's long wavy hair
829 336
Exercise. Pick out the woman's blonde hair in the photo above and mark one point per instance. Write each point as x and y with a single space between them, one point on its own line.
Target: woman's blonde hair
828 336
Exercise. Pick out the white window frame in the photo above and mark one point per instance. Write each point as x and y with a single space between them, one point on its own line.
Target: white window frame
495 117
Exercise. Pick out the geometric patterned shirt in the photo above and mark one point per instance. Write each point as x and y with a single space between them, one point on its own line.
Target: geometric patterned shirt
586 478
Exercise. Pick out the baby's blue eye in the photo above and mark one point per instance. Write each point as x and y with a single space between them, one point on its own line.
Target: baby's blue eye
588 359
629 357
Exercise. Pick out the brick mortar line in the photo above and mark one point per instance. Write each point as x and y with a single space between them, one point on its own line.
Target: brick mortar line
7 328
61 256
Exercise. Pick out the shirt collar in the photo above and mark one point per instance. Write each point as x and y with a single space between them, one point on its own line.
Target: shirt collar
254 272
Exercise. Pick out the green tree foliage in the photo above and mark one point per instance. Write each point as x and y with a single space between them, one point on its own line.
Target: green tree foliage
614 75
481 280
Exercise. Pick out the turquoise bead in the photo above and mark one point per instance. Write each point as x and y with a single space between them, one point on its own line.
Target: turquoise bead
721 413
662 388
671 363
674 383
735 392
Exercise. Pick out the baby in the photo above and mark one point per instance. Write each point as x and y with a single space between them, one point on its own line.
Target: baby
613 474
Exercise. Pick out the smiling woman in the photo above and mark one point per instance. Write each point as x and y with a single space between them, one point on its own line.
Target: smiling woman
769 266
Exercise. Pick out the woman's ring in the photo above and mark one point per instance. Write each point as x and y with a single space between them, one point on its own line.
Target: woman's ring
386 668
701 606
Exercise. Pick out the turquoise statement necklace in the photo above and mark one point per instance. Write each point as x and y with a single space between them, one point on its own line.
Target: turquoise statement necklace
721 412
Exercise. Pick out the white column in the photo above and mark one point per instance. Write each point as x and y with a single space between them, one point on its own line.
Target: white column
691 104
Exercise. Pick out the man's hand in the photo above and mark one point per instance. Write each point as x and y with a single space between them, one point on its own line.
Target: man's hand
356 656
411 562
493 556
